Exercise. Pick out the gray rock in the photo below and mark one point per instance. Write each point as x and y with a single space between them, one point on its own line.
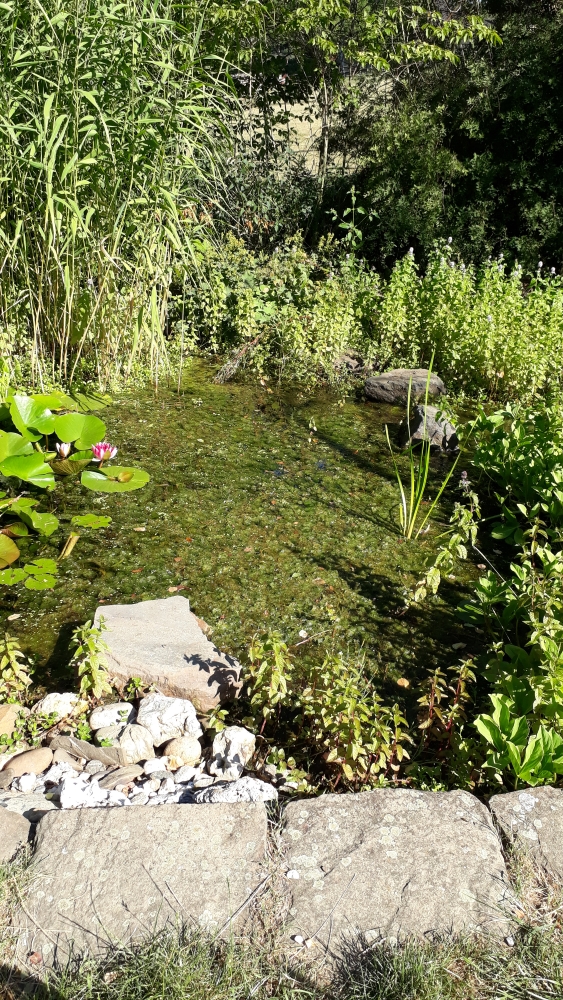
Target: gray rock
139 798
62 757
121 776
233 747
352 361
534 819
31 761
161 642
390 863
33 805
185 774
425 425
110 756
108 733
59 704
14 832
136 743
245 789
118 713
93 767
114 875
167 718
393 386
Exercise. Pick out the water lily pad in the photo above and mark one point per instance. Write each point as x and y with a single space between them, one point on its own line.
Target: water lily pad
31 468
39 566
54 400
9 551
82 428
43 522
13 444
8 577
31 418
17 529
91 520
40 581
114 479
87 401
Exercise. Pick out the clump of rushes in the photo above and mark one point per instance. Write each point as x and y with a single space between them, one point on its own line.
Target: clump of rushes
89 659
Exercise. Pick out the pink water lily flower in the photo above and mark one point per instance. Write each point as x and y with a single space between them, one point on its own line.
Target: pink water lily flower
63 449
103 450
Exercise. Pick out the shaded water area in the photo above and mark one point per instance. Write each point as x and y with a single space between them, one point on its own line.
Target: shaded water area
261 520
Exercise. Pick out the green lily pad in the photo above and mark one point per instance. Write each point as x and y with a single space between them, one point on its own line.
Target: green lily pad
87 401
17 529
31 468
91 520
114 479
54 400
39 566
83 428
8 577
32 419
40 581
13 444
69 467
9 551
45 523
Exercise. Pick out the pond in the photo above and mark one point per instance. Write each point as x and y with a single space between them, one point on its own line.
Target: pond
267 508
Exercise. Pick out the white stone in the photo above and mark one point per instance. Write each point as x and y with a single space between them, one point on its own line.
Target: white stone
56 772
76 792
151 786
185 774
25 783
246 789
109 733
156 764
233 747
182 750
166 718
118 713
136 744
58 704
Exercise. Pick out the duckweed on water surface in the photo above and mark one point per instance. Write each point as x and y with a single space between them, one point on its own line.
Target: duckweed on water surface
268 509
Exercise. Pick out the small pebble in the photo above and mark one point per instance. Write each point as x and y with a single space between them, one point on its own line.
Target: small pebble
95 767
161 775
156 764
203 781
139 799
185 774
151 786
25 783
168 786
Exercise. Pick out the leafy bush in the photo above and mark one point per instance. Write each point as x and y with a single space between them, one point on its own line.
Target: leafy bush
329 714
89 659
490 334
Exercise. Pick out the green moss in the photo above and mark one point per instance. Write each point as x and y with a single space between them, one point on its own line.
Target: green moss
262 522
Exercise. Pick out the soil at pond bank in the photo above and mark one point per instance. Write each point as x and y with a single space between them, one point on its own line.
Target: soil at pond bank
260 519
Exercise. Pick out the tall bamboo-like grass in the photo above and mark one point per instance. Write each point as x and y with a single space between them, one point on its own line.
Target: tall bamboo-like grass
111 126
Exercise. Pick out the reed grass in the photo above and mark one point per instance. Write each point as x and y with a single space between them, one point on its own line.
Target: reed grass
112 125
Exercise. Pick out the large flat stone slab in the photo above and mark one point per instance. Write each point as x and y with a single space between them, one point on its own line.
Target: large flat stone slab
161 642
534 819
14 833
392 863
105 876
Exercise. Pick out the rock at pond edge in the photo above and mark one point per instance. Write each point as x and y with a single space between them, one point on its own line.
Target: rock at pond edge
393 387
161 642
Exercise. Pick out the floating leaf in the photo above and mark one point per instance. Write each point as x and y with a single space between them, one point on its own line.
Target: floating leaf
82 428
39 566
8 577
9 551
40 581
32 419
15 530
91 520
13 444
31 468
90 401
54 400
108 479
45 523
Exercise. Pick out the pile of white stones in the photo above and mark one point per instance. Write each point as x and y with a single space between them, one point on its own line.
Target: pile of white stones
149 756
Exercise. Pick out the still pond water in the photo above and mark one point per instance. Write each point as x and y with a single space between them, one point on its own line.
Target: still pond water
261 520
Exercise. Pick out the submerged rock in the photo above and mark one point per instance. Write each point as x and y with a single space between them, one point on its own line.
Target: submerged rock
393 386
